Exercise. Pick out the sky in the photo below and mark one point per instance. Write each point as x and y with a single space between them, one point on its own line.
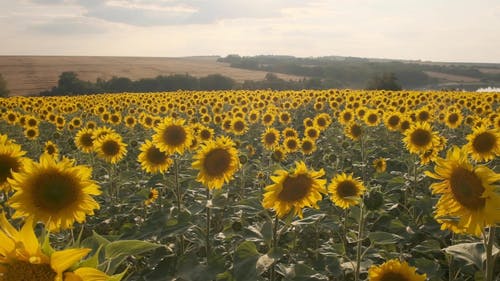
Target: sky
428 30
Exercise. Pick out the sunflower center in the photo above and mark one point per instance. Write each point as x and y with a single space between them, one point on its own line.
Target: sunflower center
31 133
217 162
393 276
86 140
110 147
321 122
393 121
423 116
205 134
467 188
174 135
21 270
270 138
347 189
307 146
484 142
295 188
155 156
421 137
51 149
405 125
238 126
372 118
291 144
7 164
54 191
347 116
355 130
312 133
453 118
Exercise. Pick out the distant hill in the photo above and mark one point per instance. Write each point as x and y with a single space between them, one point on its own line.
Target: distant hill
27 75
354 72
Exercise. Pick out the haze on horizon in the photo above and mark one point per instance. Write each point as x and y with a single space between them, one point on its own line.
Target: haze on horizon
437 30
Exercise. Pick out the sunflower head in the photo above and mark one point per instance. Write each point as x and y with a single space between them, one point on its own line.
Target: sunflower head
153 160
483 143
217 162
346 191
11 161
394 270
172 135
110 148
294 190
420 138
57 193
380 165
467 192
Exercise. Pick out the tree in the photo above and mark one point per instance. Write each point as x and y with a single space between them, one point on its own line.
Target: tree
4 92
388 81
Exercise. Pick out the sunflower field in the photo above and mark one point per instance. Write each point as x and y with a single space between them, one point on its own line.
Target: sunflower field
251 185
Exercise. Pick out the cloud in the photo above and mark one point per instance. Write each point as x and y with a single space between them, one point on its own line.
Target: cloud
77 26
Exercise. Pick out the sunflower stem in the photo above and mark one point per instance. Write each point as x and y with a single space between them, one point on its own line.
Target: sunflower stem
490 259
179 206
275 244
361 213
207 238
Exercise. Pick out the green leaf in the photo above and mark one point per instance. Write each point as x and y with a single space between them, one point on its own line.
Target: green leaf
473 253
383 238
245 260
309 220
128 247
118 277
92 261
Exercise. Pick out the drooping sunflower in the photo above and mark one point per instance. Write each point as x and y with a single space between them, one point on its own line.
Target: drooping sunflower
11 161
110 148
420 138
294 190
346 191
270 138
152 159
483 143
380 165
467 192
173 136
24 258
217 161
394 270
152 196
57 193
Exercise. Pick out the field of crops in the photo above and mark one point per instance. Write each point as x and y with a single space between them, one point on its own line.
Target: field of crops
250 185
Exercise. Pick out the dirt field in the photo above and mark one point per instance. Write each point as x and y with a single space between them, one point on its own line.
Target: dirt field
32 74
451 77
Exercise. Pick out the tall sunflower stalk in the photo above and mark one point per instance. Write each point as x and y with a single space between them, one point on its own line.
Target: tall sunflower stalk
361 211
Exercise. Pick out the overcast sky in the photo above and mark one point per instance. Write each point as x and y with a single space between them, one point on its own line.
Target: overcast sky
437 30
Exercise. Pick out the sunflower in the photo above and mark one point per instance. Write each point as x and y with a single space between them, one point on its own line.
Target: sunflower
346 116
152 196
483 143
290 133
291 144
51 149
31 133
279 154
453 119
268 119
353 131
130 121
467 192
11 161
285 118
380 165
394 270
84 140
217 161
23 258
152 159
239 126
294 190
420 138
392 120
311 133
270 138
110 148
172 136
345 190
371 118
55 192
307 146
206 133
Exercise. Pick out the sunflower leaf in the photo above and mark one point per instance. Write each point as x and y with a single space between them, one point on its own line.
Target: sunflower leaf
383 238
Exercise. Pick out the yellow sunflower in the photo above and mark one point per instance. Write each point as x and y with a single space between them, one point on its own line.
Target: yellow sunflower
453 119
291 144
31 133
483 143
152 159
394 270
420 138
217 161
152 197
110 148
51 149
392 120
239 126
353 131
312 133
270 138
345 190
24 258
56 193
84 140
467 192
11 161
380 165
294 190
307 146
173 136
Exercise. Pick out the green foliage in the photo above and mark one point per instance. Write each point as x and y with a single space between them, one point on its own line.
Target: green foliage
4 92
